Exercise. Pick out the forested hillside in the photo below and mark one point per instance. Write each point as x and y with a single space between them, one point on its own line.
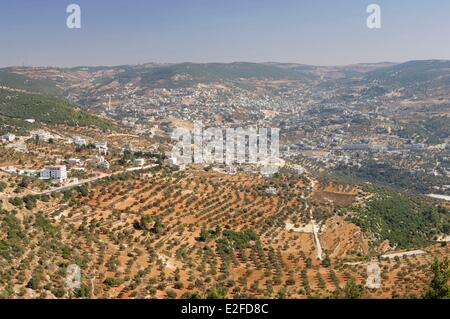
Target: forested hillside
48 110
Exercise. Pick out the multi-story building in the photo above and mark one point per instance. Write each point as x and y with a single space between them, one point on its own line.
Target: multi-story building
57 172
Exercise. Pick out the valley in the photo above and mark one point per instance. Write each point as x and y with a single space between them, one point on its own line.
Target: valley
87 179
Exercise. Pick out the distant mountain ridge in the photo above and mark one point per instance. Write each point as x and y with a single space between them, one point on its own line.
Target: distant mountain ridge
88 86
414 72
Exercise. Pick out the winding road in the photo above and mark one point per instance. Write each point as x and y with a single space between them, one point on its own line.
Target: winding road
83 182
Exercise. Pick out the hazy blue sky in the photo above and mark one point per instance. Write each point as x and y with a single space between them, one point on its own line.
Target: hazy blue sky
320 32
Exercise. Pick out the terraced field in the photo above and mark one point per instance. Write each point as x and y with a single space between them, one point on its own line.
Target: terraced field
173 234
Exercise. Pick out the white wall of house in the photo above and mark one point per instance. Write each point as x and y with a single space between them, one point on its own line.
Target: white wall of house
55 173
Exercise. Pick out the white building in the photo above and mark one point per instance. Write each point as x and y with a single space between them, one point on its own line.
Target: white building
173 163
139 161
8 138
42 136
74 161
102 147
58 172
103 164
79 141
271 191
230 169
270 165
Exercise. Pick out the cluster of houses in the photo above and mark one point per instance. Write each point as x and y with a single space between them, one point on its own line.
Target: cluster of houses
40 135
59 173
11 143
101 146
55 172
100 162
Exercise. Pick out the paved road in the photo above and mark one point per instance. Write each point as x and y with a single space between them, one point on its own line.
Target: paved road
83 182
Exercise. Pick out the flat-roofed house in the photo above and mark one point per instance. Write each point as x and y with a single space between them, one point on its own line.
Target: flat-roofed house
103 164
139 161
74 161
8 138
79 141
57 172
102 147
42 136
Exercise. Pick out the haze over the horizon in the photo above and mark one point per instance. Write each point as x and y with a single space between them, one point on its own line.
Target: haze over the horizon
320 32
